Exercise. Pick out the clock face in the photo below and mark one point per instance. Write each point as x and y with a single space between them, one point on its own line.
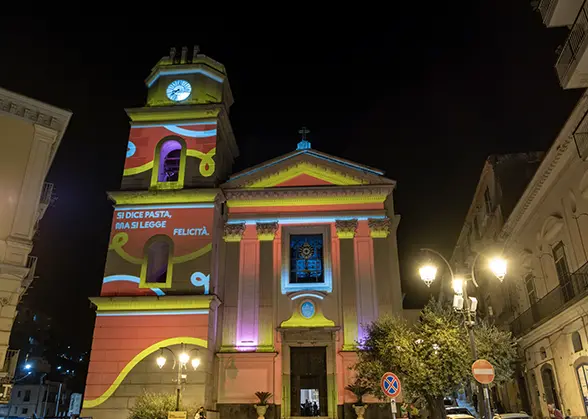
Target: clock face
179 90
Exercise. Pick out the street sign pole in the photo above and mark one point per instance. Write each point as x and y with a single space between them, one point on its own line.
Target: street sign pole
391 387
393 407
483 372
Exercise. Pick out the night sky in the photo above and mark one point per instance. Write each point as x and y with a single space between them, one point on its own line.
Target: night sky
426 100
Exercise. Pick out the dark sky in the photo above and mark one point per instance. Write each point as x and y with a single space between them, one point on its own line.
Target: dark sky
427 98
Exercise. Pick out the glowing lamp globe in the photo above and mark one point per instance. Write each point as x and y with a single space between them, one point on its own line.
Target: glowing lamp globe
457 284
195 362
498 267
184 358
160 361
428 274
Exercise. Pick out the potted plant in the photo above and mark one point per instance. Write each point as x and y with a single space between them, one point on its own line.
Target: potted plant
359 390
262 406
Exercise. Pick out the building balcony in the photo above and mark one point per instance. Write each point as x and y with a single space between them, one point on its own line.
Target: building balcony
554 302
559 12
572 64
45 200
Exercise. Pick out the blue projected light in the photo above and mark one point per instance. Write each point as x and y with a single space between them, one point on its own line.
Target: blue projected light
307 309
131 149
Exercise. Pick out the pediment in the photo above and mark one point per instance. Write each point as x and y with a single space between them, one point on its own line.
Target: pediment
307 168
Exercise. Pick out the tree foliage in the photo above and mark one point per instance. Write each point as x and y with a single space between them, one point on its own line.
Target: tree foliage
432 358
156 406
496 346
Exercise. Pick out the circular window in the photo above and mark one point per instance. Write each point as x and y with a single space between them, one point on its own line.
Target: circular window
307 309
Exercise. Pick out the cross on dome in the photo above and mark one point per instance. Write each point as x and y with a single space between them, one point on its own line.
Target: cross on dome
304 144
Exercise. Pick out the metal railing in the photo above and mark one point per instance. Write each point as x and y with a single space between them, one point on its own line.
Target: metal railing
46 193
574 46
10 362
554 302
546 8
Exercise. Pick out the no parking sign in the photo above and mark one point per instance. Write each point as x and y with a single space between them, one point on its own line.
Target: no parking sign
391 385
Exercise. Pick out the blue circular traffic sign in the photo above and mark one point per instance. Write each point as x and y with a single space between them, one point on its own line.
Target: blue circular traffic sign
390 385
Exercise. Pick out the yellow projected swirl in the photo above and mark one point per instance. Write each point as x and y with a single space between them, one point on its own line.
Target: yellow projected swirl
206 167
120 239
206 160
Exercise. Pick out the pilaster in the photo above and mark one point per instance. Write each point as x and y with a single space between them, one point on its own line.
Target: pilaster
380 232
266 233
367 306
40 155
346 232
233 233
248 305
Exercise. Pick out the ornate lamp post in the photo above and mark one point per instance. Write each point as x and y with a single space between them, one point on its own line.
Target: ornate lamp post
498 266
181 362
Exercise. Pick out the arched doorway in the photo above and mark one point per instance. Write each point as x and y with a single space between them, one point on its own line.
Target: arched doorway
549 388
581 367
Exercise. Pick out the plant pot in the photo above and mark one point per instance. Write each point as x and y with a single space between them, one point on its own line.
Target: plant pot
359 410
261 409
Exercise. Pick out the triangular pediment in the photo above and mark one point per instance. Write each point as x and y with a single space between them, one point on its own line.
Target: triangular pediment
307 168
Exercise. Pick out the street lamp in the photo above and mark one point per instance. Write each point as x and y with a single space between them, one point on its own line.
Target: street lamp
181 361
498 266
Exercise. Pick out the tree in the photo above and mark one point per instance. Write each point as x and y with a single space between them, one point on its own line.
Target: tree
498 347
156 406
431 358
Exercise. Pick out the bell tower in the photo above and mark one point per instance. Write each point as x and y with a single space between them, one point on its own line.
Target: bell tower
162 270
182 137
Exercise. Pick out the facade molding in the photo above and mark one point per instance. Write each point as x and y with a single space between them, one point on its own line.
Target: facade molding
346 229
307 195
233 232
379 227
267 231
554 163
34 111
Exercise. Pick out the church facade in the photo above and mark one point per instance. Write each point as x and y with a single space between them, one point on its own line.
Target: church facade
265 279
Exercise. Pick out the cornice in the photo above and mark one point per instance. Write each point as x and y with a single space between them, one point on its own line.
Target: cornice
308 192
281 169
167 302
555 161
174 113
34 111
179 196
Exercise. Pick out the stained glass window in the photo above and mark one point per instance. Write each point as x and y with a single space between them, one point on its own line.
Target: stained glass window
306 258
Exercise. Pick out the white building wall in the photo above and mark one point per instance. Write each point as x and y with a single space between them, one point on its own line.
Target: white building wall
30 132
553 209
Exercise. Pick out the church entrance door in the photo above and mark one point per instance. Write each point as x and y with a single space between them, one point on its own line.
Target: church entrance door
308 373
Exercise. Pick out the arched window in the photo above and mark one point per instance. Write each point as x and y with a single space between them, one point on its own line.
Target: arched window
170 154
158 254
577 342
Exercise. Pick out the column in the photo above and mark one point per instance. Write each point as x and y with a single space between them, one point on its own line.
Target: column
346 232
266 233
233 233
248 305
379 231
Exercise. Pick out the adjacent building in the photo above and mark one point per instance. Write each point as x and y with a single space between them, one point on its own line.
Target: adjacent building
572 61
30 133
543 231
265 277
40 399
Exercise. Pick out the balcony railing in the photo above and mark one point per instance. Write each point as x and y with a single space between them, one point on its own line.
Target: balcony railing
554 302
546 8
573 47
46 193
